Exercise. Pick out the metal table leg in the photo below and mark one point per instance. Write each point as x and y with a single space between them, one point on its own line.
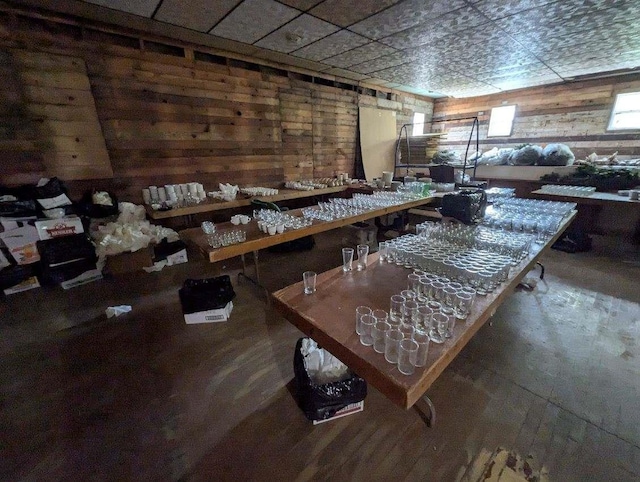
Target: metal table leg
427 410
256 269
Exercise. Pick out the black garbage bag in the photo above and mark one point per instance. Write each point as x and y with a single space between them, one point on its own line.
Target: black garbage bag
87 207
164 249
319 402
198 295
467 206
65 258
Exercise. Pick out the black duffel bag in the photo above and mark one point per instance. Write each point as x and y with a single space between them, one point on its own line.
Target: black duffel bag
65 258
467 206
198 295
322 401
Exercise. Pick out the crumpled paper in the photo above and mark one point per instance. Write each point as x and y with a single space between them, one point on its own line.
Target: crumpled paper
130 232
117 310
321 365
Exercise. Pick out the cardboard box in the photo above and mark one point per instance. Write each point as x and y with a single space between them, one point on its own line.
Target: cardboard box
26 285
209 316
21 243
54 228
130 262
343 412
84 278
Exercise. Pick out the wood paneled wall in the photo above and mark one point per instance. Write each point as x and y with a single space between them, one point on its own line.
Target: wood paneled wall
172 114
576 114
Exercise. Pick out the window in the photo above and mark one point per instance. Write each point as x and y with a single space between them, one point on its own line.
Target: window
626 112
418 124
501 121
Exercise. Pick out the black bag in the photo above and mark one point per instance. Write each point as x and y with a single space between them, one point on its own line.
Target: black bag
206 294
164 249
18 209
97 211
319 402
467 206
65 258
16 274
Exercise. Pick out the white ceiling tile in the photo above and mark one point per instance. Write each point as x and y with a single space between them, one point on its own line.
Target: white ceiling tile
306 28
253 19
199 15
144 8
334 44
405 15
301 4
346 13
368 51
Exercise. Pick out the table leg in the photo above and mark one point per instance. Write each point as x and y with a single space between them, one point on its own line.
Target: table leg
427 410
256 269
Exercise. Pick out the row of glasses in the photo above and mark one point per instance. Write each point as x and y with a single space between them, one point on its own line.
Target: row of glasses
271 217
226 238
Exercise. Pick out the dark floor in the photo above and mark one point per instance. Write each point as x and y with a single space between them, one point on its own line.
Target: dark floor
554 379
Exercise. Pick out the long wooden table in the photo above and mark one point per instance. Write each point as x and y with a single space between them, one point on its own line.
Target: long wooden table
598 198
257 240
328 316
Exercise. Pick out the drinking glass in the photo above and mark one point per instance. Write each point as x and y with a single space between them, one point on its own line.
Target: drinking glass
309 279
449 313
366 327
392 344
360 312
382 251
363 252
424 318
408 294
410 312
379 331
439 326
347 259
407 330
463 305
422 339
413 283
395 310
380 315
407 355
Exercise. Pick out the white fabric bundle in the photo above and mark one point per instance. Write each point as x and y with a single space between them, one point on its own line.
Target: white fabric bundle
321 365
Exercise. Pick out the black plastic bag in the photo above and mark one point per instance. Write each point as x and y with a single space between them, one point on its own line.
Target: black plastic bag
164 249
16 274
87 207
53 188
467 206
206 294
319 402
65 258
18 209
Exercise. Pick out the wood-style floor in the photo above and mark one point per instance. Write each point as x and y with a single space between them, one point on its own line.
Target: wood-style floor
555 379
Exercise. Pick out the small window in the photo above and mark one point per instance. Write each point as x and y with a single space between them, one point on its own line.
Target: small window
626 112
501 121
418 123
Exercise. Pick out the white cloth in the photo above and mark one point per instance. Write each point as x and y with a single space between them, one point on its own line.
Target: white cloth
321 365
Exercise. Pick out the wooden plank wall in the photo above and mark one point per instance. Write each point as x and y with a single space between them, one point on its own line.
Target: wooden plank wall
50 121
169 116
576 114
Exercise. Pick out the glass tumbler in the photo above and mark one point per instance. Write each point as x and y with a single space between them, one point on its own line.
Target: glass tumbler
366 328
392 344
363 252
410 312
439 326
422 339
379 332
407 355
395 310
360 312
347 259
445 310
380 315
462 306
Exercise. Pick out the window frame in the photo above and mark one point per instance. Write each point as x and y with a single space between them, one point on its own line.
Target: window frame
514 106
414 123
613 113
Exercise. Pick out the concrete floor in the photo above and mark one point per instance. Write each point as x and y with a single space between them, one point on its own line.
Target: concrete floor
554 379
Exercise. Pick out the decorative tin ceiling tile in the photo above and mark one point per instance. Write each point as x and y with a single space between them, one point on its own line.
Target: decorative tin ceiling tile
297 33
449 23
347 74
346 13
200 15
366 52
302 4
253 19
404 15
334 44
385 62
144 8
495 9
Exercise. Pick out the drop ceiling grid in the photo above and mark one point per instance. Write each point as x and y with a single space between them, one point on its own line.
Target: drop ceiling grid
462 46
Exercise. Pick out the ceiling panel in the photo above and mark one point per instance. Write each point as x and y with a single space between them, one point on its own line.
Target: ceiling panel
332 45
464 18
404 15
144 8
297 33
458 47
346 13
201 14
368 51
253 19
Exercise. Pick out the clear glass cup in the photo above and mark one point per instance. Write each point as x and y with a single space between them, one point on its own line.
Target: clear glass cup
366 327
309 280
439 326
407 330
395 309
407 354
410 312
413 283
462 306
424 318
408 294
363 253
382 251
347 259
392 344
447 311
361 311
422 339
379 331
449 296
380 315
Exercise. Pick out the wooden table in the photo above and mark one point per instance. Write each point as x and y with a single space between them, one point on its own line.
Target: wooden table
210 205
328 316
598 198
257 240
